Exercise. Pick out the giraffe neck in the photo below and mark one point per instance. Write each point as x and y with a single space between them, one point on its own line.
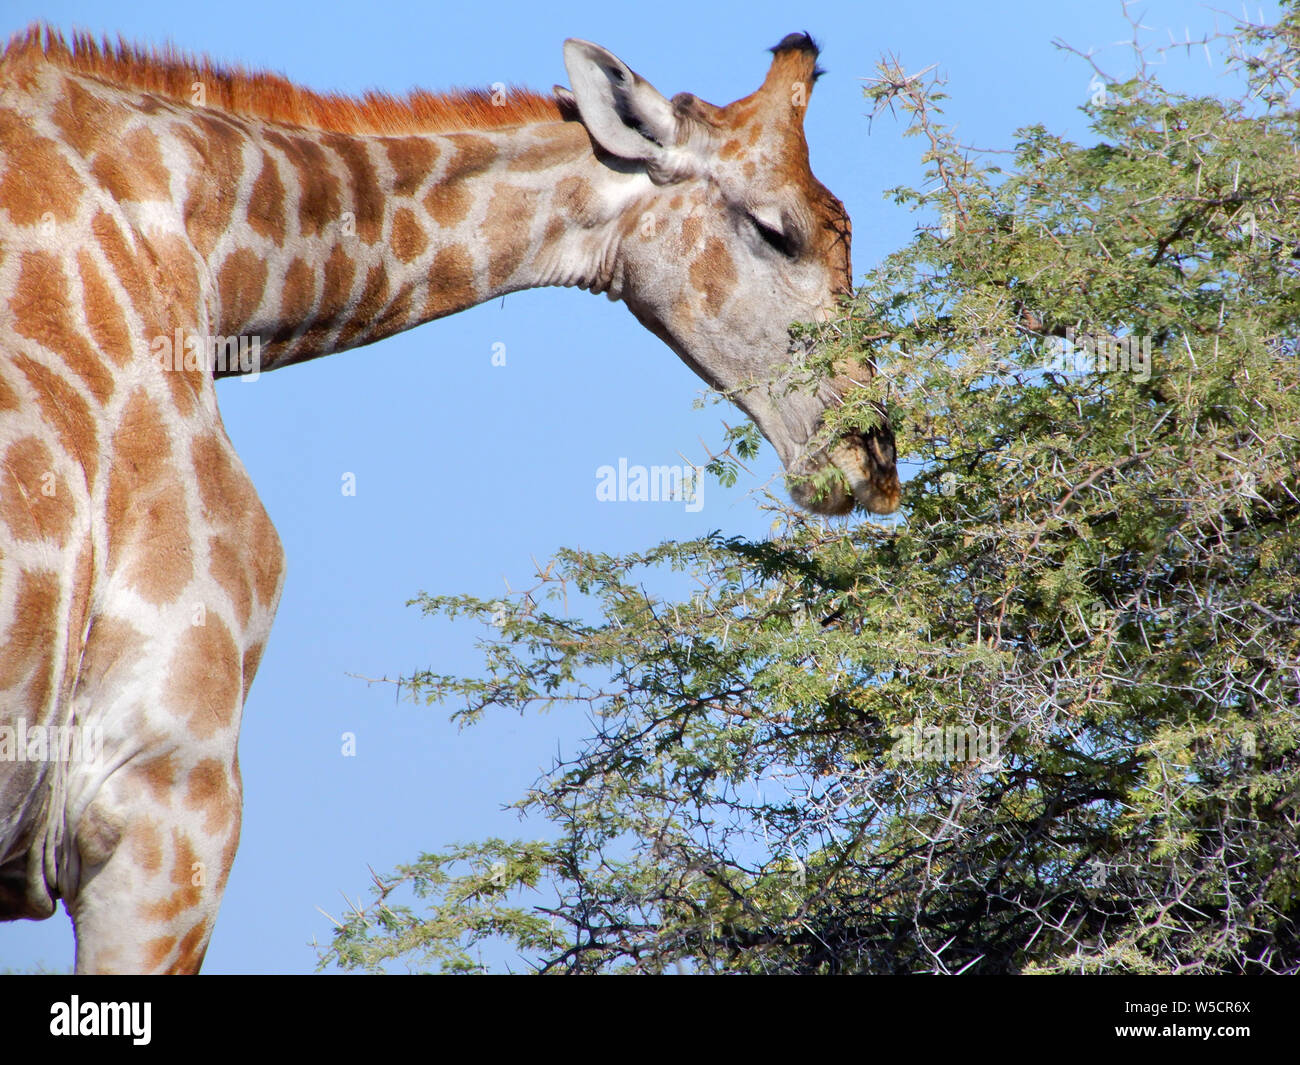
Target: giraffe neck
338 240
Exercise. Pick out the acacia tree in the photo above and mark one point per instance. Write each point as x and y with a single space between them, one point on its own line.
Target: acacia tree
1048 721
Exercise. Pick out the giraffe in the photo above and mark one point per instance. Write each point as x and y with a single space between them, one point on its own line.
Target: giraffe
153 207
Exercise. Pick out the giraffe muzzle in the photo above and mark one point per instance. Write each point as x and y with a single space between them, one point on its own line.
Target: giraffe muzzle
868 464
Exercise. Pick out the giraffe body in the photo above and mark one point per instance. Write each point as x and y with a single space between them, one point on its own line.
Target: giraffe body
157 215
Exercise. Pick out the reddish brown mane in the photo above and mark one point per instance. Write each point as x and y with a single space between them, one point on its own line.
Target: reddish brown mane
171 73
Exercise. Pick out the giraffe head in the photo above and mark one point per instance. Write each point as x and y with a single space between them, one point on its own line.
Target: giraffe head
727 240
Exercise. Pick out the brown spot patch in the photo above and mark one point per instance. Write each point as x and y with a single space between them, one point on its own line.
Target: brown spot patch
231 503
453 287
474 154
86 119
252 659
36 178
158 775
208 789
42 311
396 315
409 239
574 200
318 188
134 169
218 158
412 159
103 313
714 274
206 677
691 227
237 797
506 226
228 570
33 634
123 264
34 503
339 271
147 519
266 203
192 948
449 200
141 445
188 894
179 270
447 204
297 294
241 282
184 857
373 297
9 399
184 388
179 275
146 846
551 146
223 487
268 555
742 110
161 557
157 951
367 199
65 409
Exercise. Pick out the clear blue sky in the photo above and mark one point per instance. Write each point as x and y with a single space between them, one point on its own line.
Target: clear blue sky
466 471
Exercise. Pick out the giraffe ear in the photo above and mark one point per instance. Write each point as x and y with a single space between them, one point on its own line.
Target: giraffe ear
626 115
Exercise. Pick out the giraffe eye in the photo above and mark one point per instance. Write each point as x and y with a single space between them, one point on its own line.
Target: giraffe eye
776 239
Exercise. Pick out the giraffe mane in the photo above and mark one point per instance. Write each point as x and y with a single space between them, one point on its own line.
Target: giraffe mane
171 73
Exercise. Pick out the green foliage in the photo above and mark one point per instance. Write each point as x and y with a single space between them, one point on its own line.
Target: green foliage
1094 590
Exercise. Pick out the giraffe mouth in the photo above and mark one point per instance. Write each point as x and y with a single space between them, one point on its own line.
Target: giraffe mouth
869 475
